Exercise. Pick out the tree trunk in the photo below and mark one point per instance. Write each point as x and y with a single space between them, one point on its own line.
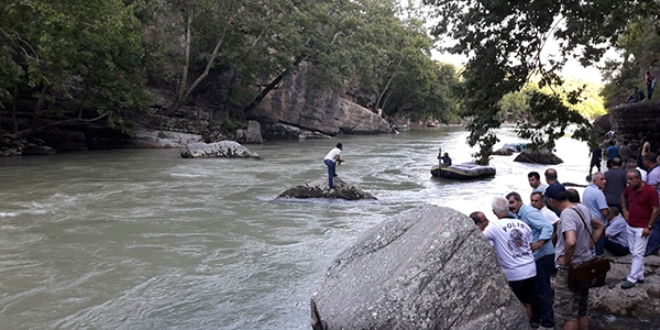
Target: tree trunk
13 111
382 93
184 93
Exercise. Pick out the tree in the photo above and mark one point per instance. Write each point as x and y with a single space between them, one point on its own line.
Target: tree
90 52
504 40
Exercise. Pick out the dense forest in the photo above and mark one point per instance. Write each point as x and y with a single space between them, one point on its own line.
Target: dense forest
63 61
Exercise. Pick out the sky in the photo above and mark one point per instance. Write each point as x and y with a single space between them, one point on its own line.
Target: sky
572 69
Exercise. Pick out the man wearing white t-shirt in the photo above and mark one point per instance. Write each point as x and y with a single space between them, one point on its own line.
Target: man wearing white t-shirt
331 160
511 239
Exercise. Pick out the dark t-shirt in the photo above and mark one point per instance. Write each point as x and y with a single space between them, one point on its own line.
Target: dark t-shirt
616 183
625 152
597 154
641 205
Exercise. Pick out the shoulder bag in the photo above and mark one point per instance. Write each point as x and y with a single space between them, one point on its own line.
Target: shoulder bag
589 269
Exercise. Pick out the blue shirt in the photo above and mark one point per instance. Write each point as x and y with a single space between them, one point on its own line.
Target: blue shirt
618 231
612 152
594 200
541 229
446 160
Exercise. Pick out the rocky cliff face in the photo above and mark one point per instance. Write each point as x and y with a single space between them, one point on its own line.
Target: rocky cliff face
310 106
628 120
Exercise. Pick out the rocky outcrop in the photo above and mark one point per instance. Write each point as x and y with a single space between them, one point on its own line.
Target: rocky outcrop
228 149
603 124
628 120
538 157
320 189
251 135
312 106
426 268
504 151
642 300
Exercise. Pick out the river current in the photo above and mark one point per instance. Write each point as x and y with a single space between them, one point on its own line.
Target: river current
143 239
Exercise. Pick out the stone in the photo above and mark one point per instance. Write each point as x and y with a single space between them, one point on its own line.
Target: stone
31 149
504 151
320 189
538 157
603 124
425 268
279 131
228 149
253 133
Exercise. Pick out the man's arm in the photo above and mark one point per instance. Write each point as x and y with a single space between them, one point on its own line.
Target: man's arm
537 221
569 247
605 212
654 215
624 208
598 230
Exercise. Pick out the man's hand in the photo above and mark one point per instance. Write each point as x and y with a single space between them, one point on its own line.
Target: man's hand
646 232
536 245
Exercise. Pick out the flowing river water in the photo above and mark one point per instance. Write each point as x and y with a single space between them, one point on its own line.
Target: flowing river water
143 239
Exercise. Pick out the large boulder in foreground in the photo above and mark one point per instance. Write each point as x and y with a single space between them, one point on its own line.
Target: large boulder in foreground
543 157
320 189
425 268
229 149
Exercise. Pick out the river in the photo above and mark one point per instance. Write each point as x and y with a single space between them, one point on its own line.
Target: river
143 239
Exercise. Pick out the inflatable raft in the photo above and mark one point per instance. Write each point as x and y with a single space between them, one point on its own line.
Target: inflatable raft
465 171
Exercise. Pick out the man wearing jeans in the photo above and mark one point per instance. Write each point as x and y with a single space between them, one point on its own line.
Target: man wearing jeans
544 254
640 216
331 160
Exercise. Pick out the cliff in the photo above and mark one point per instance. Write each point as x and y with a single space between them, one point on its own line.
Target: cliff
628 120
307 105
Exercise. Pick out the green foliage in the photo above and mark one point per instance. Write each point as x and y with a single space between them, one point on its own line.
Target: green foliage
91 49
504 40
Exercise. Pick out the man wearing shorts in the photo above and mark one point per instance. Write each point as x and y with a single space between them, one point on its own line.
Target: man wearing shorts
573 247
511 239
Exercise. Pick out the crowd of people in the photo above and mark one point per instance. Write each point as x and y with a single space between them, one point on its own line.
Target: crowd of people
536 243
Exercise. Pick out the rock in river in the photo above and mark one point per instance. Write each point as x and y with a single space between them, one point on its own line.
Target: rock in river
229 149
320 189
538 157
425 268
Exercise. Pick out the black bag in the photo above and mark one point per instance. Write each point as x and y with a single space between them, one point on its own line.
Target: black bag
589 269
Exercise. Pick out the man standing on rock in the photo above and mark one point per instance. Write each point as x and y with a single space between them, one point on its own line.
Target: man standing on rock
573 247
511 239
596 156
544 253
331 161
615 184
625 152
594 199
641 215
653 180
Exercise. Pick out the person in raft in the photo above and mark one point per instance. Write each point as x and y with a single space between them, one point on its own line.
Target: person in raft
331 161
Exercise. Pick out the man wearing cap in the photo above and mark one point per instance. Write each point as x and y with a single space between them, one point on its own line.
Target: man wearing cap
573 247
331 160
641 215
543 257
511 239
